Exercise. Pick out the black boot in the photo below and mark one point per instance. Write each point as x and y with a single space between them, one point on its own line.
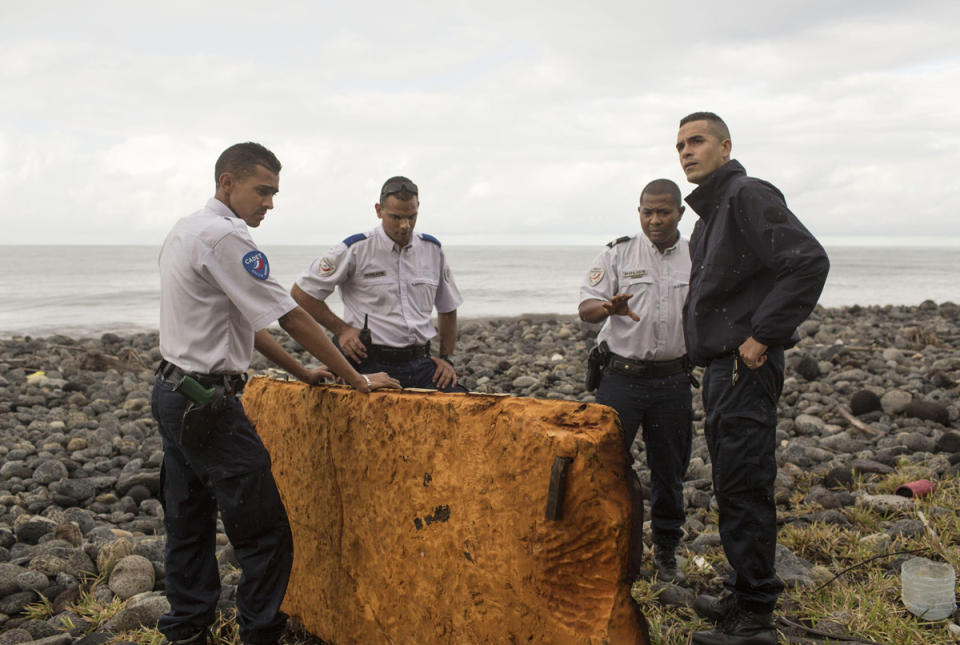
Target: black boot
716 608
742 627
200 638
665 561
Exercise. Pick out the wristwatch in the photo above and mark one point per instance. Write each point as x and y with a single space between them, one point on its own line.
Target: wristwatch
446 357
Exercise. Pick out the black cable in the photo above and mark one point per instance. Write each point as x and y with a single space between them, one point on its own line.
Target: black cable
850 639
816 632
863 562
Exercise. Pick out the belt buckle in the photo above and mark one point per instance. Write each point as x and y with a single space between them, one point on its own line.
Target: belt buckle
165 370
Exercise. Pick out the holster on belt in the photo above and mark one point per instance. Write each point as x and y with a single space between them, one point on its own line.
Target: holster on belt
200 418
365 337
596 361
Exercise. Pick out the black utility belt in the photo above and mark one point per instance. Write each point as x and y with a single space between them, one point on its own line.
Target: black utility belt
234 383
647 369
386 354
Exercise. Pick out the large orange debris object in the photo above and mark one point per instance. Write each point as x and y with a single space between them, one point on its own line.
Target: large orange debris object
421 517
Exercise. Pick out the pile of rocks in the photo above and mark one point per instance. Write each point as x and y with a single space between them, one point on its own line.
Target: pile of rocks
79 487
866 388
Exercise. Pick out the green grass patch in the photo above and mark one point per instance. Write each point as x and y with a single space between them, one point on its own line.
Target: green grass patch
863 602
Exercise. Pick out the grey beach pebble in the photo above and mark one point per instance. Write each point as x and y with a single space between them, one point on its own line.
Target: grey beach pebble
80 454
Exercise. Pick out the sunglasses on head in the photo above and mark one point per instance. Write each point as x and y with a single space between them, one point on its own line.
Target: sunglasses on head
396 186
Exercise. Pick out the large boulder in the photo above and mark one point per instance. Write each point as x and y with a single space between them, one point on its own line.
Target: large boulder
30 528
895 401
142 610
808 367
864 401
928 410
8 578
111 553
132 575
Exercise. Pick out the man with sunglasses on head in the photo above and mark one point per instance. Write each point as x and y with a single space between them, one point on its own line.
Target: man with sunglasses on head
390 281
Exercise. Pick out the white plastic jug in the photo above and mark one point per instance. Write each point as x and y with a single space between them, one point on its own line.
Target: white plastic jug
928 588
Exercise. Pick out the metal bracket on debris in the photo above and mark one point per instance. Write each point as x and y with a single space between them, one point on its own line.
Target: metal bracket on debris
558 482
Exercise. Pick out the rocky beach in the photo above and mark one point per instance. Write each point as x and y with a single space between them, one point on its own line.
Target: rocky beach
867 390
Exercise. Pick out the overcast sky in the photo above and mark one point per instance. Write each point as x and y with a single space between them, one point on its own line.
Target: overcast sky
521 122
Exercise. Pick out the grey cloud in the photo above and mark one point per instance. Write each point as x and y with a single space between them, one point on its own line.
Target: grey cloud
517 121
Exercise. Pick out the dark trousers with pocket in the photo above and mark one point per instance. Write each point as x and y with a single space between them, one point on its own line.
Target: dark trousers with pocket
230 473
417 372
740 428
663 407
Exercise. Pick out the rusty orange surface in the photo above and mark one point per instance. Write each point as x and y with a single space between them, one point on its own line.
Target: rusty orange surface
419 517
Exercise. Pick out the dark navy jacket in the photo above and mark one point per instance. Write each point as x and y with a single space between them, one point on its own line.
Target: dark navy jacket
756 270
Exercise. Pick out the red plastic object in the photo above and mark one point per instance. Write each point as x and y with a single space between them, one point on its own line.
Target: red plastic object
919 488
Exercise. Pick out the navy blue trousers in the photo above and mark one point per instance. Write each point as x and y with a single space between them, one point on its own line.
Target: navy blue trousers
740 428
663 408
232 473
415 373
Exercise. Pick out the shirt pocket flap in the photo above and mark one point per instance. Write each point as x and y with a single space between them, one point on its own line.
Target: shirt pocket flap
638 281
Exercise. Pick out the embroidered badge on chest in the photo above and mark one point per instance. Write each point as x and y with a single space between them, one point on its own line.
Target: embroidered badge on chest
255 262
326 267
596 275
637 273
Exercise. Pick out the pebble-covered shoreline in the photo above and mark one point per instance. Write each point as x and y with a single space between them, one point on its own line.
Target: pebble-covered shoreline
81 457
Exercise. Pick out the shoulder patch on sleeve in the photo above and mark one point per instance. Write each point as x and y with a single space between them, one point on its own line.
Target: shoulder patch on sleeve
430 238
596 275
326 266
618 241
255 262
353 239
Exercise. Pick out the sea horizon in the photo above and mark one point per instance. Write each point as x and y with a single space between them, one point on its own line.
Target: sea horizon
88 290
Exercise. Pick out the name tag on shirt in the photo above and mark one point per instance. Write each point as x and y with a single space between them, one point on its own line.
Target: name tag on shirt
375 274
637 273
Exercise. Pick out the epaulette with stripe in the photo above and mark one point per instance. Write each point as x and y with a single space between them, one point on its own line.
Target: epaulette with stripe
618 240
353 239
430 238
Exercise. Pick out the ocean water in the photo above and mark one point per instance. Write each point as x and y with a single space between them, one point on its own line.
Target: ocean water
89 290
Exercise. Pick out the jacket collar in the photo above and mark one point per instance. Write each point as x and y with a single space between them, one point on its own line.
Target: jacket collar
703 200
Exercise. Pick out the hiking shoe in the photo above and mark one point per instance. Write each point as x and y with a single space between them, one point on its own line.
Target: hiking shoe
665 561
716 608
200 638
742 627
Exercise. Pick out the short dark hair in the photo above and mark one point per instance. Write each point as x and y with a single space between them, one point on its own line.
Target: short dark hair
242 159
717 127
663 187
401 188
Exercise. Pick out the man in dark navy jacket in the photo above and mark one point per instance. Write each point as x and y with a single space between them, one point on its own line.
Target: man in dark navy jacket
756 275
